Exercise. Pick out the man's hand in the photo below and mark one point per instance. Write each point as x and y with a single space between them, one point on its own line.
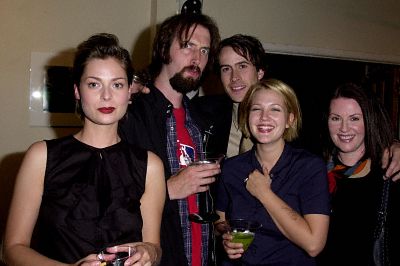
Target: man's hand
391 161
192 179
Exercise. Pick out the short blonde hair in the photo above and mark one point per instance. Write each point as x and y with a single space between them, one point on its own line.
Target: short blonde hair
289 98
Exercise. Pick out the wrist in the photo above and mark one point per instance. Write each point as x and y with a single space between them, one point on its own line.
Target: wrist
154 252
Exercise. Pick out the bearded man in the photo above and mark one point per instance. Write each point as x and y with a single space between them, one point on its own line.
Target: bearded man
164 122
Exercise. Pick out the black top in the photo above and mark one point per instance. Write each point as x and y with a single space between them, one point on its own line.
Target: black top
217 111
353 220
91 198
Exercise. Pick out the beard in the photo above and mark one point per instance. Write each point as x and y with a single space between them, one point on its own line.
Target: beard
184 85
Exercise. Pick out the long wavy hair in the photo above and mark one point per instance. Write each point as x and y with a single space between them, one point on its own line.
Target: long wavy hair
377 124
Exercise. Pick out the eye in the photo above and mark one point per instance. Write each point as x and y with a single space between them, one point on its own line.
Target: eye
204 51
225 69
334 118
276 109
242 66
93 85
119 85
186 45
255 109
355 118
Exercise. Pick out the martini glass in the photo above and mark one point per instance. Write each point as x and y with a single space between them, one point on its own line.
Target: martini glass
243 231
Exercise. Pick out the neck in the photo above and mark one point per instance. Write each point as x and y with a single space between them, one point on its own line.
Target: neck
350 158
162 83
99 136
268 154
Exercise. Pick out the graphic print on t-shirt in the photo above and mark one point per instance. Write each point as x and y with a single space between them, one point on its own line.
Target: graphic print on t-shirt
186 154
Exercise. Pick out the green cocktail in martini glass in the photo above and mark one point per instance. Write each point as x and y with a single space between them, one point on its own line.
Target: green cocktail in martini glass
243 231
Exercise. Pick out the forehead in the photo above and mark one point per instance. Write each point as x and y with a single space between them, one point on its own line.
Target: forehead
109 64
228 56
345 105
198 34
267 96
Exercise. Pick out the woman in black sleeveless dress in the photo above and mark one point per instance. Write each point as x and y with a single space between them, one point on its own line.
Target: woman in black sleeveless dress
78 194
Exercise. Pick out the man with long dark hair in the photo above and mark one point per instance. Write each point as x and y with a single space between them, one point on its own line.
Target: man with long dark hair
164 121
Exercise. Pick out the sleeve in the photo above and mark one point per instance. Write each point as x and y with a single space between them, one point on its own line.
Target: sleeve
222 194
314 195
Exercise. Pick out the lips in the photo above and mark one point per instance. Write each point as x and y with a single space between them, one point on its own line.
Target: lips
193 71
238 88
265 128
346 138
106 110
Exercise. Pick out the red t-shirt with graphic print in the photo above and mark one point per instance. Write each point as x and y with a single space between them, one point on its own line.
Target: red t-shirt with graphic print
186 153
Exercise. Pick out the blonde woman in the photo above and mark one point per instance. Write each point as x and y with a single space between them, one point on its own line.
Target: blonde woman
283 188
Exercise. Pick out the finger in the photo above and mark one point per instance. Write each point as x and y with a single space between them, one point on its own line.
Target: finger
393 168
203 189
145 90
385 158
396 177
207 180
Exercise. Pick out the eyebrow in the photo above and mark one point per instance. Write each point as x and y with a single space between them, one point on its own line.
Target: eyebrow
238 63
97 78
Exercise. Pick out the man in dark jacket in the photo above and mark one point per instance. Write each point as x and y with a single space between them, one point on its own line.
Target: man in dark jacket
164 122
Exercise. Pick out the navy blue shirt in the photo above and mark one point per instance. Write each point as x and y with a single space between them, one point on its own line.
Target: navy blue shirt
299 178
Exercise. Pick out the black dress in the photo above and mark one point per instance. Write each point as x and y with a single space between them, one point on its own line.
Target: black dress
91 198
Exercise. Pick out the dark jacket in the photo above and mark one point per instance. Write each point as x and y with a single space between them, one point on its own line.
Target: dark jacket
217 111
145 126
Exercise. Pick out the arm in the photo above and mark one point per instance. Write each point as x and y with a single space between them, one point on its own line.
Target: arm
152 204
308 232
391 161
233 250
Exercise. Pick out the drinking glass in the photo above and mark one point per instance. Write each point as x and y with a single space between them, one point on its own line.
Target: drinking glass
206 209
116 255
243 231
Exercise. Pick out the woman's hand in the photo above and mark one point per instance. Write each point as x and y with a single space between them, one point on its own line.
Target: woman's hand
90 260
233 250
258 183
146 254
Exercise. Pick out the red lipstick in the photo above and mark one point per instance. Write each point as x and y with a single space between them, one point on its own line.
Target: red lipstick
106 110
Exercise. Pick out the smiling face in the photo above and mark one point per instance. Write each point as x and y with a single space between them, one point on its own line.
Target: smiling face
268 117
346 126
104 91
237 73
188 60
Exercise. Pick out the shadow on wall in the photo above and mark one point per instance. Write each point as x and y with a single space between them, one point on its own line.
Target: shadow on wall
8 170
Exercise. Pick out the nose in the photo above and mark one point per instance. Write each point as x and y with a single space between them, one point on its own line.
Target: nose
106 94
343 126
235 75
264 115
196 57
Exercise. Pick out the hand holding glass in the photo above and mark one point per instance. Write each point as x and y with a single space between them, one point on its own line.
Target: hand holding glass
207 214
115 256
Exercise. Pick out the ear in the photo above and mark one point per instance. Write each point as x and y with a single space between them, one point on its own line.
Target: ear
76 92
290 120
130 90
260 74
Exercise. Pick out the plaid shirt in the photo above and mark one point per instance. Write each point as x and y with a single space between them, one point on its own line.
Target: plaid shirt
196 136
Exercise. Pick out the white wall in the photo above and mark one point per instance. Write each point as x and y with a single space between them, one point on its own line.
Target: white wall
356 28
